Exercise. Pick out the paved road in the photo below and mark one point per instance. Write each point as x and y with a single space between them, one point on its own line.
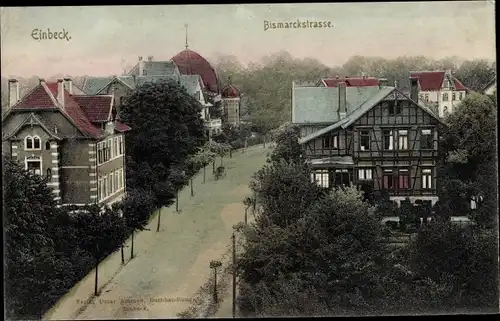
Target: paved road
171 265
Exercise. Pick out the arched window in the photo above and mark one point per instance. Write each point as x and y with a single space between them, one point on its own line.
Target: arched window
47 145
28 143
37 142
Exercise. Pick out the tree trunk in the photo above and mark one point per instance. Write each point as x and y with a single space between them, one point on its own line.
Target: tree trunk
221 160
246 220
215 285
177 201
96 277
234 275
159 217
123 255
191 183
213 166
204 174
231 153
132 247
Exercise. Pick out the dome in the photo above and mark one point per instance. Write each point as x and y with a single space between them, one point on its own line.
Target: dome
230 91
191 63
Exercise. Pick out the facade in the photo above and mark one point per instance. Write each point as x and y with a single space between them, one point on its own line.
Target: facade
491 87
153 71
73 141
231 104
440 89
375 137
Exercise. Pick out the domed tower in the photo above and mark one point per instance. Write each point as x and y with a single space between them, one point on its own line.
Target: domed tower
231 103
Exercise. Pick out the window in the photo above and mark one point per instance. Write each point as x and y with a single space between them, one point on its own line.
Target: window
426 139
112 183
460 96
34 167
122 145
388 140
117 180
49 174
403 139
364 174
110 144
32 143
394 107
116 147
105 187
364 140
427 178
99 153
426 97
445 111
47 145
342 177
321 178
331 141
144 72
402 181
387 181
453 96
445 97
108 184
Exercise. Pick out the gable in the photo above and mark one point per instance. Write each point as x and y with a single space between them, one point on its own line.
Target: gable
16 124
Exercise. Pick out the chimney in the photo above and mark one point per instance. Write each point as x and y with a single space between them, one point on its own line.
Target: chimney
150 58
141 66
395 84
414 89
342 100
13 92
68 85
41 81
382 82
337 77
60 92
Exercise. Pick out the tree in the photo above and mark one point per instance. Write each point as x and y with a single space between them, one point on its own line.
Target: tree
470 145
287 144
202 158
475 74
28 209
105 232
323 262
167 129
137 208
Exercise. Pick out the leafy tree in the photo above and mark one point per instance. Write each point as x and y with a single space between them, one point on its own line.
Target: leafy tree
202 158
166 130
287 144
475 74
137 208
470 143
466 261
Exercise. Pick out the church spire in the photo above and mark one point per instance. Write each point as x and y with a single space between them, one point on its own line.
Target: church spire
186 26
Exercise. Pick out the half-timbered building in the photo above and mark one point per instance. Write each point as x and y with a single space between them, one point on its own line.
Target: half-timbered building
375 137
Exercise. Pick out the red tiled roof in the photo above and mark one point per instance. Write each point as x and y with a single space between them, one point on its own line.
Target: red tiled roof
121 127
352 82
37 98
459 85
191 63
74 111
433 80
429 80
96 108
230 91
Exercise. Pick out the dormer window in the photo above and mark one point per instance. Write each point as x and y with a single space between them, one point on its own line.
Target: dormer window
32 143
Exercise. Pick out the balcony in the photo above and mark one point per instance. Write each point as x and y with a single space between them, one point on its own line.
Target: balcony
213 123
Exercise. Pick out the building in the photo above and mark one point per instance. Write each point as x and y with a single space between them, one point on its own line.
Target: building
491 87
152 71
375 137
363 81
74 141
231 104
440 90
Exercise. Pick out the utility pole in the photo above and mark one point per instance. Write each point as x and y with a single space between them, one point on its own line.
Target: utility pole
234 275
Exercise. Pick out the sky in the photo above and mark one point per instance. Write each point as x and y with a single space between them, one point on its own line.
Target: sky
105 40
